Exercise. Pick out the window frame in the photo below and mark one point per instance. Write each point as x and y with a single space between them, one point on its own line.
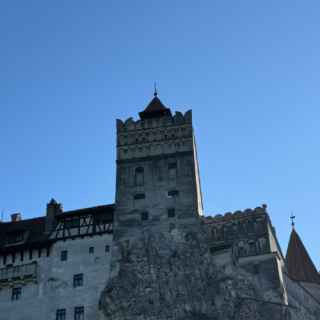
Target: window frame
64 255
61 314
173 193
91 250
16 293
144 216
78 280
139 196
171 212
79 313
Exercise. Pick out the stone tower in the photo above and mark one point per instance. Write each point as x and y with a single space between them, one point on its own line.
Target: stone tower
157 170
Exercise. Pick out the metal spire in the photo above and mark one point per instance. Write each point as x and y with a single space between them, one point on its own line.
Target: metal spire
292 217
155 89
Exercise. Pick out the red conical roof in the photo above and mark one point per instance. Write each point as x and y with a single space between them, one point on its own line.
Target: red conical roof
299 264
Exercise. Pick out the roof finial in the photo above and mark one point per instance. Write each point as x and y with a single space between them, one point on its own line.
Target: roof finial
292 217
155 89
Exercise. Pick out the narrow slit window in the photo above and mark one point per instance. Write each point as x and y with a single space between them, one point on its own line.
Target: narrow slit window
139 176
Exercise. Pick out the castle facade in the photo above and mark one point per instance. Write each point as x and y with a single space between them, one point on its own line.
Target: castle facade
153 254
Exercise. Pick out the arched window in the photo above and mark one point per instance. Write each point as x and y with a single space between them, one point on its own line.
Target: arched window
139 176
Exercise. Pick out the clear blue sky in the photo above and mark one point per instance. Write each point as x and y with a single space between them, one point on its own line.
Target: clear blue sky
250 70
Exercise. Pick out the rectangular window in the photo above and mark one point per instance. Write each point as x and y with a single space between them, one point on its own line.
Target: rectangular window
107 248
79 313
64 255
30 254
173 193
91 250
16 293
78 280
61 314
171 213
172 165
144 215
139 196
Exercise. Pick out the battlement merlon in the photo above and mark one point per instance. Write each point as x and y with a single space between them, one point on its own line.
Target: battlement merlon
165 134
177 119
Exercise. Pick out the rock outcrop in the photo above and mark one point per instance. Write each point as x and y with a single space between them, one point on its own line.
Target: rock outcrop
174 275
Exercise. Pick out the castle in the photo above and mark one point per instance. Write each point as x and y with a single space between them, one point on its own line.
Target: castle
153 254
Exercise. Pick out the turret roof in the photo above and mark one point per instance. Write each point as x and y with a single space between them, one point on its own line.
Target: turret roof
299 264
155 109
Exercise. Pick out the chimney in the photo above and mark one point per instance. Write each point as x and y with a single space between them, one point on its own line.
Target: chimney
53 209
15 217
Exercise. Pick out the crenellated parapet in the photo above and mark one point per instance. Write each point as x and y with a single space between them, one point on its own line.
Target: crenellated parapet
246 232
236 215
177 119
154 136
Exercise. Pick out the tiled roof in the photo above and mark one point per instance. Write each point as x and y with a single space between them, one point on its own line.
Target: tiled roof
107 210
33 234
155 109
33 230
299 264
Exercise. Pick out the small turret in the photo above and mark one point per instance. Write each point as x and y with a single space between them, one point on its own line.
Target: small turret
53 209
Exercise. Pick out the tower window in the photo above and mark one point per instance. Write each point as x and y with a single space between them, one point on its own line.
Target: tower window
173 193
139 196
107 248
64 255
78 280
171 213
172 168
16 293
61 314
139 176
91 250
79 313
144 216
172 165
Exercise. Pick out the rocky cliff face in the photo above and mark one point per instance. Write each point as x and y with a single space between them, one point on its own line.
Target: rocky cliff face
163 275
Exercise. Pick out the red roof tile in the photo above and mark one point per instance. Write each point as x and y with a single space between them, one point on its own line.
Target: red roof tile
299 264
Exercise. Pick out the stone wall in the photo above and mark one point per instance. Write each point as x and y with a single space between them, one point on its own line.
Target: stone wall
53 288
178 274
